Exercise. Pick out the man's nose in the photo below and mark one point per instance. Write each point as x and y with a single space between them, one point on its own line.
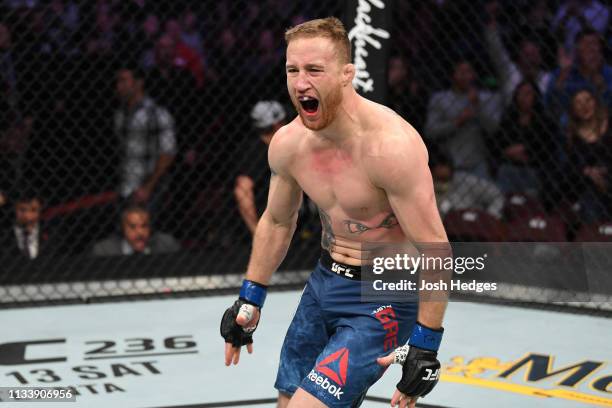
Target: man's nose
302 84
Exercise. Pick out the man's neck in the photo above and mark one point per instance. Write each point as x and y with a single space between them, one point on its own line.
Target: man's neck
345 124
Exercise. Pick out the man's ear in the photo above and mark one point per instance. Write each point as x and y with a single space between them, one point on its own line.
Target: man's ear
348 73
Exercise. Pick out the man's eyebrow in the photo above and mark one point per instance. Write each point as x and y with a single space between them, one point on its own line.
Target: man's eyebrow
307 66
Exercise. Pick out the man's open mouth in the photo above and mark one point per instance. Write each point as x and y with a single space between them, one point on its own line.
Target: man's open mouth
309 104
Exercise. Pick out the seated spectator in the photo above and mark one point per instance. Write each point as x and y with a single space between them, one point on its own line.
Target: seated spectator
588 71
459 118
575 16
137 237
251 189
525 142
27 237
458 190
590 157
528 65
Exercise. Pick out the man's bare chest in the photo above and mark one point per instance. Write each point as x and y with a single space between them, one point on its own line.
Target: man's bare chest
339 180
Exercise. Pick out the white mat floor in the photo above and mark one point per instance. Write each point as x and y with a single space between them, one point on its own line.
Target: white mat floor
169 353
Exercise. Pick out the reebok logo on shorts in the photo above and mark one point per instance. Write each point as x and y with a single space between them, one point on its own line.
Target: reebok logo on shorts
335 368
334 390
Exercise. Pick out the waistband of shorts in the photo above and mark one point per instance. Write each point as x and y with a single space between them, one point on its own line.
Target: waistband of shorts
351 272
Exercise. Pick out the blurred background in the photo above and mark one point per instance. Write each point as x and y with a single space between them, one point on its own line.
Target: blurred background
133 133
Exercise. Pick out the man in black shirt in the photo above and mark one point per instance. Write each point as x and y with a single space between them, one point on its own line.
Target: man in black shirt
251 187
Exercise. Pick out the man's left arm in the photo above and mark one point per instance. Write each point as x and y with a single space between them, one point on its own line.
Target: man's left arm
399 167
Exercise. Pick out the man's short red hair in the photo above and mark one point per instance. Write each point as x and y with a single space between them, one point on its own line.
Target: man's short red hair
329 27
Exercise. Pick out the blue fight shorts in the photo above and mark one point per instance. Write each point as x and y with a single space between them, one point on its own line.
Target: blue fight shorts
332 344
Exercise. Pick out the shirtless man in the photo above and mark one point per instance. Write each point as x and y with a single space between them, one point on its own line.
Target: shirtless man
366 169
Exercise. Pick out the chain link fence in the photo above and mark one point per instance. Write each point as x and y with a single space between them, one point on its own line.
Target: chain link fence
133 133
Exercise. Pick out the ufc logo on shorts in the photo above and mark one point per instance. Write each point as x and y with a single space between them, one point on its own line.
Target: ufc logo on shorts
431 374
339 269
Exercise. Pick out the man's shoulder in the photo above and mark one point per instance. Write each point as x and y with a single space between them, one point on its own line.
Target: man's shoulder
285 142
389 132
291 132
392 145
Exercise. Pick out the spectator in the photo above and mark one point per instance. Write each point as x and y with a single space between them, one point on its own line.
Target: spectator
459 119
170 82
183 55
590 156
251 188
528 66
137 237
145 132
588 71
535 23
458 190
190 34
575 16
62 23
27 238
8 76
173 87
15 135
525 142
406 94
227 61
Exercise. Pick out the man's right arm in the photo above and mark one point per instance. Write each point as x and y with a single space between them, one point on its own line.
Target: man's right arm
270 245
278 222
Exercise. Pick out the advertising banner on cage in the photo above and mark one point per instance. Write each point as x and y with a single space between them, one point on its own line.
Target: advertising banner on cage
368 23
